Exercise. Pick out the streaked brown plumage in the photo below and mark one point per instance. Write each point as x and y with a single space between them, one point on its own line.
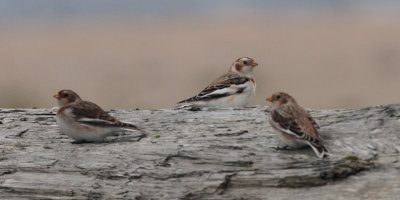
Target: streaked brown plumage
295 125
85 121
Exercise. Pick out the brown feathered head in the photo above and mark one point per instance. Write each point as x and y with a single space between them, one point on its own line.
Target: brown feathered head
65 97
279 98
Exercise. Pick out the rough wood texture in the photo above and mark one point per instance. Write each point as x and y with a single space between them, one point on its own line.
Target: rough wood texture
208 154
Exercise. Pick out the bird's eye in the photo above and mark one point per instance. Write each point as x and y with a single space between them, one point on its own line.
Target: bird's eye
278 97
65 95
245 62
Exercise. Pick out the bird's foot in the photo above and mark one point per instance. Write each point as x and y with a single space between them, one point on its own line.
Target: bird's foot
280 148
195 109
78 142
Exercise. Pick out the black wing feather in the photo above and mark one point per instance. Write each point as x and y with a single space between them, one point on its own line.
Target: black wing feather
204 94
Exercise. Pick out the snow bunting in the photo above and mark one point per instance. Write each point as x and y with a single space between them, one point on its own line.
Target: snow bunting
233 89
294 124
85 121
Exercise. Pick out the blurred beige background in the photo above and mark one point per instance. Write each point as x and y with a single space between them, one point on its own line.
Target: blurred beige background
325 57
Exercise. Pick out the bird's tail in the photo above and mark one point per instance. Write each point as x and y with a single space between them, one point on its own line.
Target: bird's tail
128 126
188 100
109 124
182 106
319 150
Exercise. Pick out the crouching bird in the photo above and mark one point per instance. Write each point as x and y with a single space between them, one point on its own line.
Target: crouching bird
85 121
294 124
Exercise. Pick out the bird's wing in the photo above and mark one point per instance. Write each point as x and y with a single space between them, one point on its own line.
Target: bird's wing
294 127
301 127
88 113
224 86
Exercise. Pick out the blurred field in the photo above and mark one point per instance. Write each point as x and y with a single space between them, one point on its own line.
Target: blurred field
326 62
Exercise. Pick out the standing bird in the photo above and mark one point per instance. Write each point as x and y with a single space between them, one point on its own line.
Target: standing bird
85 121
233 89
294 124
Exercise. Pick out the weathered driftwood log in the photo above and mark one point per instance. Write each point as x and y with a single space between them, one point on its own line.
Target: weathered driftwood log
208 154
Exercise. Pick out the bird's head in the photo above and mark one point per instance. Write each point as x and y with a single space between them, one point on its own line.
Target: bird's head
244 65
65 97
280 98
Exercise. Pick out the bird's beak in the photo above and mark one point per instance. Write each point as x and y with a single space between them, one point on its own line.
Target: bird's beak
254 64
269 99
57 96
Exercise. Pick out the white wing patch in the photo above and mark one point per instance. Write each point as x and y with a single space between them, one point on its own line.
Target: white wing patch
233 89
287 131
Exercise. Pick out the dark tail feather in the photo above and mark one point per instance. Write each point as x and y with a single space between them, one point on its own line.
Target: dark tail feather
320 151
128 126
183 101
188 100
183 107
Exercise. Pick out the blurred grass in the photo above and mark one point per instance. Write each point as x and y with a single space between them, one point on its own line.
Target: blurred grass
327 62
